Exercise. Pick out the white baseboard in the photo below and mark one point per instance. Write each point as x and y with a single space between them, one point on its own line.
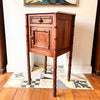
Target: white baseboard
74 69
81 70
17 68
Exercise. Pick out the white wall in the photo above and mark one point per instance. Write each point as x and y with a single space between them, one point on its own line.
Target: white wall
14 13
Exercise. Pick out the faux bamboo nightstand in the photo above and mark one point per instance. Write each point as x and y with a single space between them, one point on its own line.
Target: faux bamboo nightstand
50 34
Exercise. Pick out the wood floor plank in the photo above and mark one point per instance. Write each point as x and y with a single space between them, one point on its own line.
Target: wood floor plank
47 94
80 95
5 75
97 92
51 97
44 94
7 93
36 94
28 94
0 89
0 75
68 94
93 95
97 82
60 94
89 75
4 78
93 81
19 94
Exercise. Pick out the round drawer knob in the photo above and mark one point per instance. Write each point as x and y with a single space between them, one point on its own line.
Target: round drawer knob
40 20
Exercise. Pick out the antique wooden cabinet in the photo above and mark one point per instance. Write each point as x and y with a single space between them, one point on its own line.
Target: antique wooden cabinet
3 57
50 34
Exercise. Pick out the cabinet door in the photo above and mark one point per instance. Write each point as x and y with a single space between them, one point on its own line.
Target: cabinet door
40 38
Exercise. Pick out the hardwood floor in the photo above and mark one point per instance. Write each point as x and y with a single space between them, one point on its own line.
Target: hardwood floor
47 94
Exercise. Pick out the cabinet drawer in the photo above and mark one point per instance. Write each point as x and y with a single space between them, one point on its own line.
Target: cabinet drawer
40 38
41 19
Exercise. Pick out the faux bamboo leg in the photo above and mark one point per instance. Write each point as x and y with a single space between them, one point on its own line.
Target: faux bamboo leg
71 49
45 64
27 46
28 67
69 67
54 76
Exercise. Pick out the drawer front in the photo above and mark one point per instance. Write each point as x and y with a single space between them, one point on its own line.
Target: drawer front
40 38
41 19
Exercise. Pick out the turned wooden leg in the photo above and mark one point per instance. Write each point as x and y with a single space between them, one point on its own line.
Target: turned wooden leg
54 76
69 67
45 65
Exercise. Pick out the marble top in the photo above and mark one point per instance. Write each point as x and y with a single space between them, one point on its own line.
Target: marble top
52 12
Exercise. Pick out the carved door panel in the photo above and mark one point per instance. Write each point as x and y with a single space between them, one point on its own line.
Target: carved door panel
40 37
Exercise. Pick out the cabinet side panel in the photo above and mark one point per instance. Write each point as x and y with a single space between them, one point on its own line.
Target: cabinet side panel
64 23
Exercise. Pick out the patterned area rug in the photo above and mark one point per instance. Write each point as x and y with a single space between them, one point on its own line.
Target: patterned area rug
41 80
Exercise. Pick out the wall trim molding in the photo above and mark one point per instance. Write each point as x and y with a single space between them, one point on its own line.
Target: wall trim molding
75 69
82 69
17 68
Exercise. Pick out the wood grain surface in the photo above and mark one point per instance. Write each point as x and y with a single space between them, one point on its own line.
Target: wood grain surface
47 94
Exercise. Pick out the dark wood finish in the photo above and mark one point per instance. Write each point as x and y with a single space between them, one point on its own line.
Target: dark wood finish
71 48
3 56
54 75
96 46
41 19
40 38
28 56
45 65
50 34
69 68
39 94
